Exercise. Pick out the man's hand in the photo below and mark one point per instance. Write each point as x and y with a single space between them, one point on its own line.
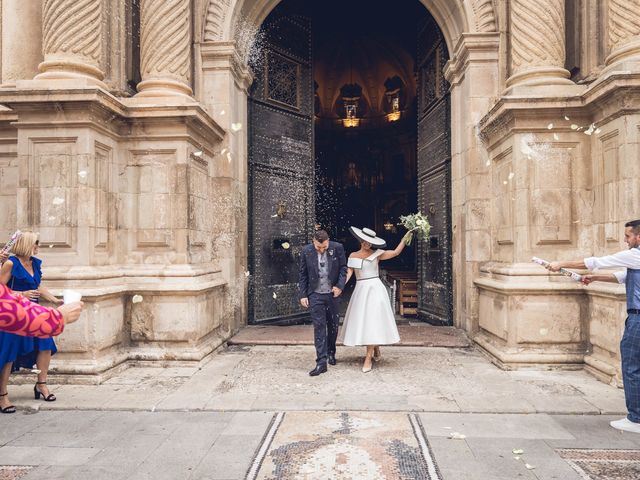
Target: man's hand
587 279
304 302
336 292
554 266
71 311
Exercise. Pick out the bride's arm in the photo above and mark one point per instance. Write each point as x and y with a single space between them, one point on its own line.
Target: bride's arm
394 253
349 273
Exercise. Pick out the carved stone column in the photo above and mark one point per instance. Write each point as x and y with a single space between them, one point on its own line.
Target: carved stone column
165 48
538 43
624 34
21 40
73 40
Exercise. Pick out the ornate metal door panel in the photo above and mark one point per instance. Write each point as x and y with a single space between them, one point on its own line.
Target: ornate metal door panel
435 300
281 168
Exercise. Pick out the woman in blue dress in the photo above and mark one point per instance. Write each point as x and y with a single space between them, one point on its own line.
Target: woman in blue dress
22 273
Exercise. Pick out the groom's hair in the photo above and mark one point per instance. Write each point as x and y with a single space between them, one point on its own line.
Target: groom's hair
321 236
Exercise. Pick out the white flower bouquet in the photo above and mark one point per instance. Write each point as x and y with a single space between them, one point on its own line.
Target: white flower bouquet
415 222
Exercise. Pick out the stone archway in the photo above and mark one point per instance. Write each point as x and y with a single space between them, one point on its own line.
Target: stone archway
470 32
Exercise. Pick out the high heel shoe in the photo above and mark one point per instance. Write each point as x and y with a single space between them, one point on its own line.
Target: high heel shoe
8 409
36 393
367 369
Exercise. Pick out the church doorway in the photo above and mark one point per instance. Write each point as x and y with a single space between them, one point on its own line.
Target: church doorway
349 125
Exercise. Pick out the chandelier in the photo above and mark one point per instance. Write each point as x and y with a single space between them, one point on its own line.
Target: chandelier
351 94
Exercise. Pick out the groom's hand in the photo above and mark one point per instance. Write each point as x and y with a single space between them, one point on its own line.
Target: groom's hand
304 302
336 292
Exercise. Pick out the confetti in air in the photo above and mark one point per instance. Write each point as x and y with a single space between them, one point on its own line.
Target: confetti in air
566 118
274 295
58 201
574 126
236 127
36 371
198 153
83 174
590 130
224 150
136 299
550 126
286 245
222 112
51 245
229 157
556 136
247 273
488 163
511 175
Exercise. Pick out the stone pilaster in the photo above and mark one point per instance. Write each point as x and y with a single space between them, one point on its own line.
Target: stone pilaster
21 40
624 35
537 43
73 40
165 48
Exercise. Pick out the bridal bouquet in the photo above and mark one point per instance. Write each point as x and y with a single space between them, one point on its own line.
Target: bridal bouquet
415 222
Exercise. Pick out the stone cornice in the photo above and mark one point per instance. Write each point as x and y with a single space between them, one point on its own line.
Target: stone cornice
107 113
225 56
614 95
471 47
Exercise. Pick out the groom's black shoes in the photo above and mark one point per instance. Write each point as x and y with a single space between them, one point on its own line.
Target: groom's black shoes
332 359
318 370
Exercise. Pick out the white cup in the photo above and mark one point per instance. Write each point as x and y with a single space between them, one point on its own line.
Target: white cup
70 296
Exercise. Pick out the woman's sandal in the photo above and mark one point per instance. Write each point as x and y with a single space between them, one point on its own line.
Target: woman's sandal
36 393
10 408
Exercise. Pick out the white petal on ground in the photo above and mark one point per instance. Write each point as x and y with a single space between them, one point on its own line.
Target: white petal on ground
529 467
517 451
136 299
457 436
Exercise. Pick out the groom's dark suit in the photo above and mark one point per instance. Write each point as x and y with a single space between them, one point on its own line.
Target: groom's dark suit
324 307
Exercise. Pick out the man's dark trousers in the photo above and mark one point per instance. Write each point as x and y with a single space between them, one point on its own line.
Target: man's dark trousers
325 317
630 352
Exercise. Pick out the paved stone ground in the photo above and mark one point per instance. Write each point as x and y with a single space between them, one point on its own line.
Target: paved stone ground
411 334
209 422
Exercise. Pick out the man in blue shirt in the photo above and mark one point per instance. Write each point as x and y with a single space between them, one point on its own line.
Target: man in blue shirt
630 344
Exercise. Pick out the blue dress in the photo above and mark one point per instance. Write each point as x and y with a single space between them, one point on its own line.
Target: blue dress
22 351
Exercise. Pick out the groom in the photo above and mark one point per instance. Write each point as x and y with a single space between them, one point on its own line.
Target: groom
323 272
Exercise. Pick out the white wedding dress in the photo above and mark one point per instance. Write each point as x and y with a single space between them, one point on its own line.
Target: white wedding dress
369 319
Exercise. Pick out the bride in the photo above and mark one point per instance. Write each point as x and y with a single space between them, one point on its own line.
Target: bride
369 319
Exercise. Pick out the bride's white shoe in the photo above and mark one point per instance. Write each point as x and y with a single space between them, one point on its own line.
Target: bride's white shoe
367 369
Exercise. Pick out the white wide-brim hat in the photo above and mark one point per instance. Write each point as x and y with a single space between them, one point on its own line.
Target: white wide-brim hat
369 236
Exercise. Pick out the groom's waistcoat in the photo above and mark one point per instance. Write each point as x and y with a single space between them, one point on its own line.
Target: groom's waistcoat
309 274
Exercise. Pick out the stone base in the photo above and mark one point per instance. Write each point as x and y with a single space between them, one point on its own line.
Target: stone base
528 318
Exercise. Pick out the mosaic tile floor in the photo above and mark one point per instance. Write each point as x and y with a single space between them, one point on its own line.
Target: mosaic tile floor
13 473
603 464
342 446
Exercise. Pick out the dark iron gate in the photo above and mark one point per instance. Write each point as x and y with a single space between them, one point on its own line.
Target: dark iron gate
281 167
435 296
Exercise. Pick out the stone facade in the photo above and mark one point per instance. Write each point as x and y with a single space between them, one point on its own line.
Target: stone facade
144 192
